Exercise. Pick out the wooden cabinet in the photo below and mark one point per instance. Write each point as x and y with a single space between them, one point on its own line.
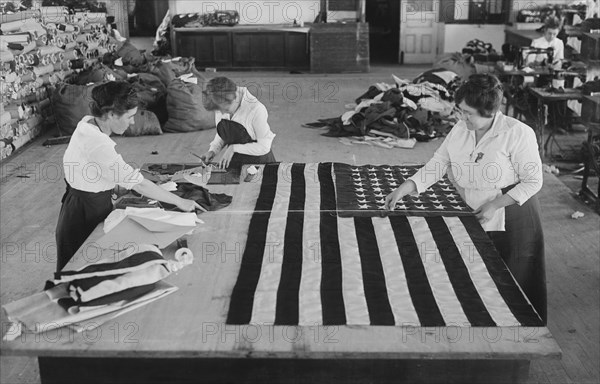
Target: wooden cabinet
244 47
210 50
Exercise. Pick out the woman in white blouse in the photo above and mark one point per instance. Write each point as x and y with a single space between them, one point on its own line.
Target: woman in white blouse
93 168
243 132
494 162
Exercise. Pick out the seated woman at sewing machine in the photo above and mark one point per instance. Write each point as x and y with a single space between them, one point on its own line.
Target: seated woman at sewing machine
552 26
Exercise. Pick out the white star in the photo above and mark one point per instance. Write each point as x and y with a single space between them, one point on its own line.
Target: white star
363 206
388 169
420 207
451 195
393 183
446 189
362 201
372 169
457 207
361 189
417 201
438 206
435 201
359 184
360 195
355 169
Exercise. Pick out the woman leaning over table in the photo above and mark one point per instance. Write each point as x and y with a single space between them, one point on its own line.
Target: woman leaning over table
243 132
93 168
494 161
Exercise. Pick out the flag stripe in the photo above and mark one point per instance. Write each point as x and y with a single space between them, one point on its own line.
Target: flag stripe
480 276
458 275
332 298
378 302
291 270
395 278
357 311
265 296
507 286
416 279
242 297
311 311
438 276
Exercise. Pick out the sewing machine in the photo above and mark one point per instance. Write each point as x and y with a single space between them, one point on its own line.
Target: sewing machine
525 52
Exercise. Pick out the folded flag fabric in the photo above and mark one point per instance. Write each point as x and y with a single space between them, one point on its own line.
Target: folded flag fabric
118 264
304 265
361 190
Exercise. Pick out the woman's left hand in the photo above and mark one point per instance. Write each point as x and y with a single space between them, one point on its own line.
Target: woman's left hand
486 212
226 158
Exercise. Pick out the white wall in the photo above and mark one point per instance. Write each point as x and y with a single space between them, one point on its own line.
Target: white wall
254 12
456 36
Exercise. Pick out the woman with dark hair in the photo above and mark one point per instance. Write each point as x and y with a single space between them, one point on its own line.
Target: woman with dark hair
242 128
494 162
93 168
552 27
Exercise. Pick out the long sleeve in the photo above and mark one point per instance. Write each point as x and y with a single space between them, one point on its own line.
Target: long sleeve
435 168
264 136
527 165
217 144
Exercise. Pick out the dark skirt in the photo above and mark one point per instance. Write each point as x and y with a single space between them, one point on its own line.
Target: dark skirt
521 246
232 132
79 215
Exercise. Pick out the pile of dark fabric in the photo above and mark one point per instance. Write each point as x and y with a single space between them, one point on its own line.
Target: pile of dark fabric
169 89
197 20
405 110
481 51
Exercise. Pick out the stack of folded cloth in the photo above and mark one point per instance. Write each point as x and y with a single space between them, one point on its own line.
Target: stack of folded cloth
97 292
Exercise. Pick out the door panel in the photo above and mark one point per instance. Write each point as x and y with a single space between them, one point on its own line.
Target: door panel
419 23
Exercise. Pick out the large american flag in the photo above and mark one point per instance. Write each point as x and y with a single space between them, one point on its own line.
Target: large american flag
305 265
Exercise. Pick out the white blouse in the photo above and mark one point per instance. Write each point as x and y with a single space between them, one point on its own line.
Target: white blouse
506 154
91 163
541 42
253 115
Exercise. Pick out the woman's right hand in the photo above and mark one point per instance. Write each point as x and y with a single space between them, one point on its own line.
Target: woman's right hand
393 198
208 156
189 205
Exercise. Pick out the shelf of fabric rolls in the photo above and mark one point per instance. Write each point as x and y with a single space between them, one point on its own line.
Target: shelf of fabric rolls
40 48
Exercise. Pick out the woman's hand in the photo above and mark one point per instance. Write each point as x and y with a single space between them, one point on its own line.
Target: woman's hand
406 188
226 158
207 157
189 205
486 212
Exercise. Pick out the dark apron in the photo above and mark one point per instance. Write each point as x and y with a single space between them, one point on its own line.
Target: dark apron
232 132
79 215
521 246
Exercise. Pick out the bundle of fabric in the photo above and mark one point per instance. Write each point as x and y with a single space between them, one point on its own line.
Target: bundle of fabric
118 282
461 64
145 124
481 51
71 103
146 226
168 69
95 74
152 94
391 109
184 103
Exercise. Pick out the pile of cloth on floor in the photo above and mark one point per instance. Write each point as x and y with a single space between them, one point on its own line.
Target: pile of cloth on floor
170 90
397 115
83 298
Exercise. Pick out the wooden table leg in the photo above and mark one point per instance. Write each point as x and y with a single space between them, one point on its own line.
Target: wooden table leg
541 117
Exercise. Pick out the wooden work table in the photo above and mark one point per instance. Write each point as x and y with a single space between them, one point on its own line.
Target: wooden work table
184 336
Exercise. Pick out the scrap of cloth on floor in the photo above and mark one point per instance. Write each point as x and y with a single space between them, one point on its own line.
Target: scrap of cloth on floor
397 270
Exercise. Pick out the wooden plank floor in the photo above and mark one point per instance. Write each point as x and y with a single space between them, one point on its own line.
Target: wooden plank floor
31 187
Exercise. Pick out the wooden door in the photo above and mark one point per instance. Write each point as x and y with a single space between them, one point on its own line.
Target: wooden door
419 23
